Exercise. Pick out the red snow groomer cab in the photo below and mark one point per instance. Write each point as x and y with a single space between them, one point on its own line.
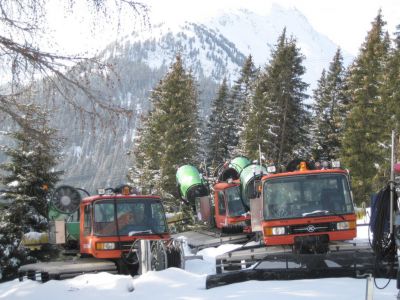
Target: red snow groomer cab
306 208
230 215
221 201
306 224
116 230
109 223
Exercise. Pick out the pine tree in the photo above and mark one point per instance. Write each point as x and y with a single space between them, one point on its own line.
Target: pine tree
169 136
329 110
397 37
390 92
255 131
242 92
364 142
28 176
392 81
145 174
278 118
220 128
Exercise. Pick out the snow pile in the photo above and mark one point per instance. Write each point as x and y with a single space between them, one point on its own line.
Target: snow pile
189 284
363 231
89 286
207 264
179 284
33 235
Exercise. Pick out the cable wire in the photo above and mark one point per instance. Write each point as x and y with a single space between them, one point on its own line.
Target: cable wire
383 243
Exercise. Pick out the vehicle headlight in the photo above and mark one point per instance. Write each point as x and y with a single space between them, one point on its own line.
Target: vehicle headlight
342 225
274 230
105 246
345 225
278 230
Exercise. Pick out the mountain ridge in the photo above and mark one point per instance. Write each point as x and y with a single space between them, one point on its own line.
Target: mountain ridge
212 50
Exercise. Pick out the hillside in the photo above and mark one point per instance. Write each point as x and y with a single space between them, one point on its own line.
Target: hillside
212 50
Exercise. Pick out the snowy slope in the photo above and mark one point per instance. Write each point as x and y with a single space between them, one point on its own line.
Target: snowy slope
212 48
180 284
256 34
205 51
239 31
189 284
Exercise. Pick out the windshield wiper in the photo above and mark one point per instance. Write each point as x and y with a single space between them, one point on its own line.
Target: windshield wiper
315 213
325 212
336 214
148 231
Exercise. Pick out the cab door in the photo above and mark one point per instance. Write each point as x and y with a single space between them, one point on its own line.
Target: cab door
86 221
220 209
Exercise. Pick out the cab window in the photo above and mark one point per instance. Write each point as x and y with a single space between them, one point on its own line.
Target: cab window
87 222
221 203
104 218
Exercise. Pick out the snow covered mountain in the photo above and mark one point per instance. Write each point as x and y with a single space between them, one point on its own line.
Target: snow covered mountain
206 52
230 35
212 49
257 34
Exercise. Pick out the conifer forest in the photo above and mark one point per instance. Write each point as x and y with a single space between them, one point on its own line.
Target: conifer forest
188 116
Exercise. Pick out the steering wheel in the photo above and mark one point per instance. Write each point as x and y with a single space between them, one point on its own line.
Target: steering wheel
126 229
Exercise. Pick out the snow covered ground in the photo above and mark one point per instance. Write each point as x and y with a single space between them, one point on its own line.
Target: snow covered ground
189 284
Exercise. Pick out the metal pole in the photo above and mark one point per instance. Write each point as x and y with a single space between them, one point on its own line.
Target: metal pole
369 293
392 182
144 257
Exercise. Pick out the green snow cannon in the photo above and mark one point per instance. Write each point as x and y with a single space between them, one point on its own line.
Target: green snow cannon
64 205
234 168
248 178
191 184
71 225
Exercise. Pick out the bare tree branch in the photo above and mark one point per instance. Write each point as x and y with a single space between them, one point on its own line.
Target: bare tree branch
24 65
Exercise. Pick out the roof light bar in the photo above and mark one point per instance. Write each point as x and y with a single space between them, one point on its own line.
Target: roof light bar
325 164
303 166
126 190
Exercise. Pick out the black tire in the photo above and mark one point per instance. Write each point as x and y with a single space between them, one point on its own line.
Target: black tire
127 269
159 260
174 257
128 263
